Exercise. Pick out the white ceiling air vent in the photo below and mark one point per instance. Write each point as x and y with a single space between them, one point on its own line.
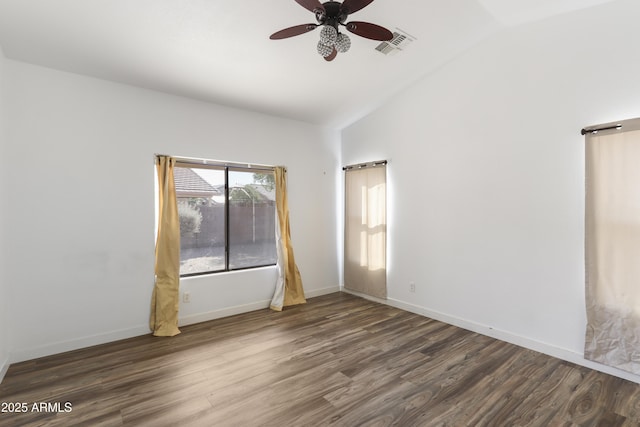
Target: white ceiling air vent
399 42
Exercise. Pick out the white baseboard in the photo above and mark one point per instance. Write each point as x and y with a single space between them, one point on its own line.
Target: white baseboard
519 340
4 367
322 291
223 312
75 344
245 308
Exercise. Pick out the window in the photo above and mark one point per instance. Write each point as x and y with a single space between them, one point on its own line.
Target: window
227 218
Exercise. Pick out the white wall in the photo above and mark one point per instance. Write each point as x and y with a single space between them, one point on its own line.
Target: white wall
82 204
4 293
486 175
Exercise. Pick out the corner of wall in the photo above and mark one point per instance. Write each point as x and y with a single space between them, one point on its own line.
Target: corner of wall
4 307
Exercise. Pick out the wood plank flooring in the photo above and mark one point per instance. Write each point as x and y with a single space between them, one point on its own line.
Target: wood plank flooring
337 361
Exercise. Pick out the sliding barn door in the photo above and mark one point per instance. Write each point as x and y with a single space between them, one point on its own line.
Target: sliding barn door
365 263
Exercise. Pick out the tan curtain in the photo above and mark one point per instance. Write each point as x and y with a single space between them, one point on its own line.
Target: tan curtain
365 268
165 298
289 289
612 251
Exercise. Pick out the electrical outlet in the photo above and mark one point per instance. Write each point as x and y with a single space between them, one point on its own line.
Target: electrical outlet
412 287
186 297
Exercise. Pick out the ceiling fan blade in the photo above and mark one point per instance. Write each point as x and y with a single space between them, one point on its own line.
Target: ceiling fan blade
311 5
352 6
293 31
332 55
369 31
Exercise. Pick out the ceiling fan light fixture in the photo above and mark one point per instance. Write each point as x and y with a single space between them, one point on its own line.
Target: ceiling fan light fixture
328 35
324 50
330 16
343 43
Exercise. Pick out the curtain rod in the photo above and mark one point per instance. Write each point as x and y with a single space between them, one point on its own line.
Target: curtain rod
596 130
205 162
365 165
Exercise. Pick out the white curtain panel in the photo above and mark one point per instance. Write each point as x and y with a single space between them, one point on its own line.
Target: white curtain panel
612 247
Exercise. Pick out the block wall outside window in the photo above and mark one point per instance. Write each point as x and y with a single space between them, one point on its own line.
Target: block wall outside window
227 218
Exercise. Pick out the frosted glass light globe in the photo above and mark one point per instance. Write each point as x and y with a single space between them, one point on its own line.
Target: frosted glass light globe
324 50
328 35
343 43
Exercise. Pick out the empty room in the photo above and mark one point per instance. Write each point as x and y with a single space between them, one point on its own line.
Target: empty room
310 213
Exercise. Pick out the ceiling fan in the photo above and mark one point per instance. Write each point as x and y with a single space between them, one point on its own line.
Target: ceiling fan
330 16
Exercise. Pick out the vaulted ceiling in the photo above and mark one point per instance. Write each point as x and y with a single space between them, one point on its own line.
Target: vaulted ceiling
220 51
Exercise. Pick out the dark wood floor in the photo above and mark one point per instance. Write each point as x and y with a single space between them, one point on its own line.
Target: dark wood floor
338 360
